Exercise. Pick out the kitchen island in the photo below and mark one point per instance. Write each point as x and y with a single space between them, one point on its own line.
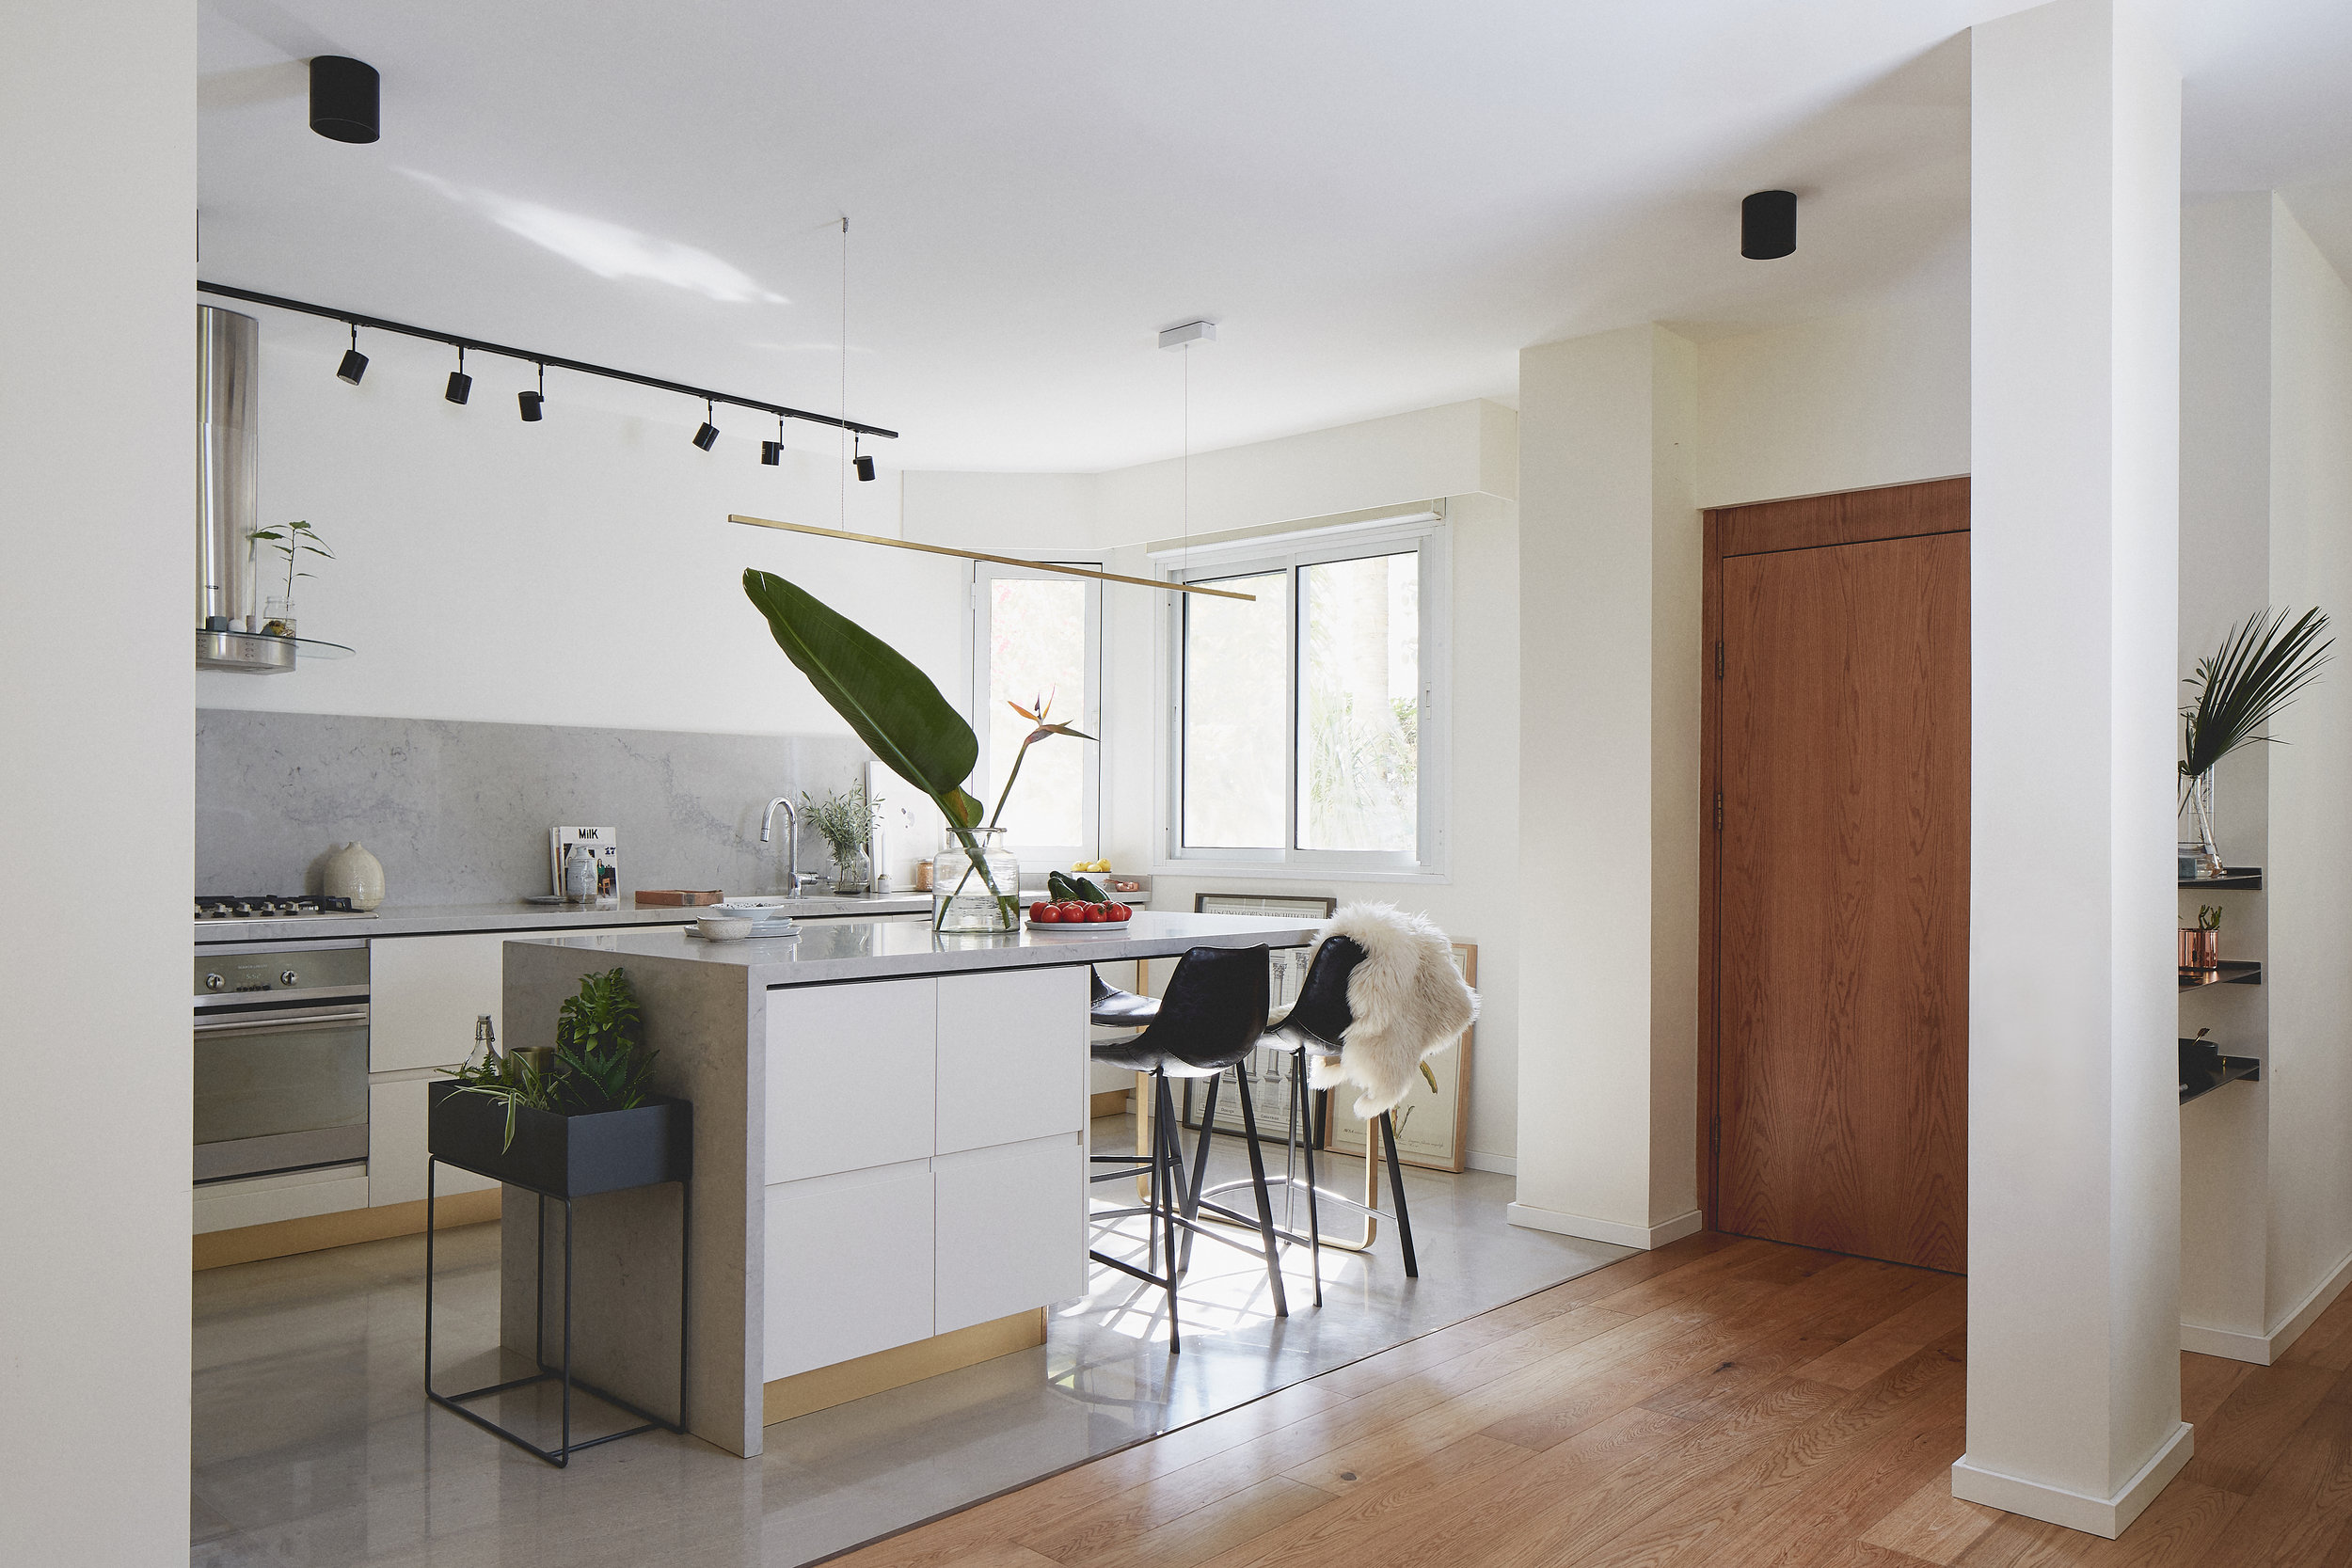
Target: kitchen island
889 1165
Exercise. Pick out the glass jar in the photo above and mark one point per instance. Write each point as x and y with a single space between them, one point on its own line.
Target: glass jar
852 872
975 894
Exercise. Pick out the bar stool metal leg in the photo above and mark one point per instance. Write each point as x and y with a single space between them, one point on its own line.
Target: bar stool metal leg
1266 1210
1396 1187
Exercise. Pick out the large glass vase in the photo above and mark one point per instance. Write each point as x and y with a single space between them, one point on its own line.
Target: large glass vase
975 883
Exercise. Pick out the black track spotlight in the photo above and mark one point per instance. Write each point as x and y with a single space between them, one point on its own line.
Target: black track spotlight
707 433
1768 226
771 452
864 464
344 95
460 384
355 363
532 402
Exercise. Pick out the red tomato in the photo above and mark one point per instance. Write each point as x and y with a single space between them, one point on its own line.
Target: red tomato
1098 912
1044 914
1121 912
1070 909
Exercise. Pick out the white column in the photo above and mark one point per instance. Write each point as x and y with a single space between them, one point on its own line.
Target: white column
1608 770
97 613
2074 1227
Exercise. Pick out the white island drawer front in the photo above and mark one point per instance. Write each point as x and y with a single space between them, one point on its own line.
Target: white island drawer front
851 1074
1010 1229
425 992
848 1268
1013 1056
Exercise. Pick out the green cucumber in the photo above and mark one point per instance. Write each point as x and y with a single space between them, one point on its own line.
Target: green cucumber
1089 891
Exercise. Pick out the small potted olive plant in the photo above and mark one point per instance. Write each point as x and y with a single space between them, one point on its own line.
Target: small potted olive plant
845 823
572 1120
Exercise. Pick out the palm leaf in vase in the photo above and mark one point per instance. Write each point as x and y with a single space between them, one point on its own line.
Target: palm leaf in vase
2260 667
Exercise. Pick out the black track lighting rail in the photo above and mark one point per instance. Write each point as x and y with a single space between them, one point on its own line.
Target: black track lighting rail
556 361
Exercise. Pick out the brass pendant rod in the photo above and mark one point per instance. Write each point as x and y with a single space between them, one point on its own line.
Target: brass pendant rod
978 555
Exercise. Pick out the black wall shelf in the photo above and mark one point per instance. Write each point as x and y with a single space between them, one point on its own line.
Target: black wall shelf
2246 877
2233 972
2204 1068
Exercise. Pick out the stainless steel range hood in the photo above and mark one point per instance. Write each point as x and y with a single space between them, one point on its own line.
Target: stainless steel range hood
228 487
228 471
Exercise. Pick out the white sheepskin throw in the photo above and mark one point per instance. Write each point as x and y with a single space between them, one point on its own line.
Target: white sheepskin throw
1409 1001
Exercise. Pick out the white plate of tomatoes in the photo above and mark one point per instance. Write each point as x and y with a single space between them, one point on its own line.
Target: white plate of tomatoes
1072 915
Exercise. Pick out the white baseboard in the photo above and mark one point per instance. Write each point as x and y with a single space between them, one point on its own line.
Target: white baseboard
2263 1349
2055 1505
1613 1231
1501 1164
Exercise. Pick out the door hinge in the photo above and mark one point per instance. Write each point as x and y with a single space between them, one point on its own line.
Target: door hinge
1719 661
1718 811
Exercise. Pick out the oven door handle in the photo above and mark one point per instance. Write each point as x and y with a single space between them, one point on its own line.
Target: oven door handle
276 1023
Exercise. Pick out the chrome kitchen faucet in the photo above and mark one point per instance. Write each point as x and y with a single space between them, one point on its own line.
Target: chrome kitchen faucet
791 842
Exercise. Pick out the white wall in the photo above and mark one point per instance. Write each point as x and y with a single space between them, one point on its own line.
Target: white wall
2266 486
2225 575
2308 874
576 571
1876 396
1464 454
98 179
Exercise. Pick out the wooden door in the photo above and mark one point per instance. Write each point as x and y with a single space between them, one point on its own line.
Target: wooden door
1840 746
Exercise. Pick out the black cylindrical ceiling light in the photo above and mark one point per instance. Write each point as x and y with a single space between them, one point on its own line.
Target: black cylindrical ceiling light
1768 226
706 435
345 97
771 452
460 384
354 364
864 464
530 401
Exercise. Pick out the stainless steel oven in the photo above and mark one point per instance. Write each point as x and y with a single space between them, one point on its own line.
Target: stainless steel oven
281 1057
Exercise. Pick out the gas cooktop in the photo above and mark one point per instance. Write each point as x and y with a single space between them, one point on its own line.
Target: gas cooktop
277 906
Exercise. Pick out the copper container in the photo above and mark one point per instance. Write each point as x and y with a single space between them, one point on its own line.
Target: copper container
922 876
2201 949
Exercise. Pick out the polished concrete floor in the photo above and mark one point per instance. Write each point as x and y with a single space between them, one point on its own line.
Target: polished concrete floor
313 1444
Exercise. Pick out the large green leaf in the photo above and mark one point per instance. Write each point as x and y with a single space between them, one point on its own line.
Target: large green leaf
893 706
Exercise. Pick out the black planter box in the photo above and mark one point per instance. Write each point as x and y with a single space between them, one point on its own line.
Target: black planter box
562 1156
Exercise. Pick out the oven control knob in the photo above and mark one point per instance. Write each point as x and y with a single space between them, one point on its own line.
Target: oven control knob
287 979
213 982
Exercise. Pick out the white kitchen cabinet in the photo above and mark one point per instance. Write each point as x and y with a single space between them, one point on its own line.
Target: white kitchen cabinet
1012 1053
850 1076
1009 1230
425 992
848 1266
396 1127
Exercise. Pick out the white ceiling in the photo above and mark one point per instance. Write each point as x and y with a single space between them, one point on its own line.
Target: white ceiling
1381 202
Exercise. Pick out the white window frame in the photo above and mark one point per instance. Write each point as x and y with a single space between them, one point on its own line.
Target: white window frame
979 603
1433 541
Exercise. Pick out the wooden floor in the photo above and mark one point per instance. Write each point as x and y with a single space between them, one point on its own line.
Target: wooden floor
1718 1400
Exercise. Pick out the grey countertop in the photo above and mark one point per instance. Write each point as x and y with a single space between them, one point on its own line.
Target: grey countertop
873 949
449 919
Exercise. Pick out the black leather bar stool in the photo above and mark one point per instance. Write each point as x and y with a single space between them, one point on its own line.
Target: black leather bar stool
1212 1016
1111 1008
1315 1025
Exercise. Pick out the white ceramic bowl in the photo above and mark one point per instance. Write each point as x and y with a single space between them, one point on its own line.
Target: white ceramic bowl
723 927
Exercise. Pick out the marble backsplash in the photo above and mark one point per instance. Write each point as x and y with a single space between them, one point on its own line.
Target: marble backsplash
459 813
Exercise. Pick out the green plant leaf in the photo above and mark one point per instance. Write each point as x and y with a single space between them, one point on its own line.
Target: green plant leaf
891 706
2260 667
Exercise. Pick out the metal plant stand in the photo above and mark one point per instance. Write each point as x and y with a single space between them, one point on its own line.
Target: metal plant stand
561 1371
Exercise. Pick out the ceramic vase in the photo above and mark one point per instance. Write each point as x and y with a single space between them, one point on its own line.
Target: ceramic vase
352 873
